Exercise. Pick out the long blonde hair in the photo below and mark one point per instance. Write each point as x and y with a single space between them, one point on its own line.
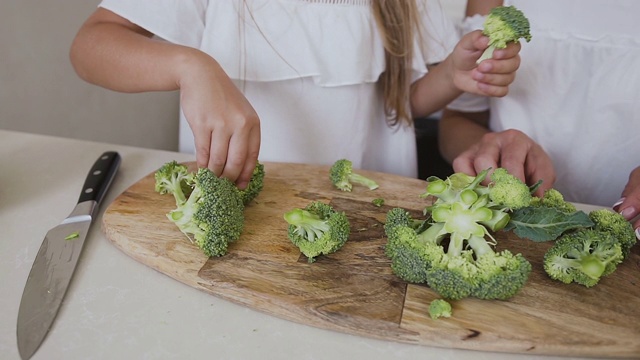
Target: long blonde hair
399 24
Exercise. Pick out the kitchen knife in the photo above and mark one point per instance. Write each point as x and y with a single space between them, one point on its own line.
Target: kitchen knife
56 260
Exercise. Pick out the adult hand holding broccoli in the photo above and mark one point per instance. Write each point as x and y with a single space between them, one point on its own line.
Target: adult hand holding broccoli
503 25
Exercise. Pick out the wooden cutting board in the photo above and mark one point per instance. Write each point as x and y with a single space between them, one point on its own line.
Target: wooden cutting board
354 290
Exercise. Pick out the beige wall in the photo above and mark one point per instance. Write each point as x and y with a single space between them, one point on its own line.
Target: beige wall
40 92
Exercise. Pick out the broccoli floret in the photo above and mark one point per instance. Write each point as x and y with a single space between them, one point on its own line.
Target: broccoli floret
410 255
173 178
552 198
213 214
583 256
343 177
503 25
317 229
255 184
439 308
617 226
508 191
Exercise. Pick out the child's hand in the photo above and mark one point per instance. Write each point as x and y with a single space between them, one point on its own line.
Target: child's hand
226 128
491 77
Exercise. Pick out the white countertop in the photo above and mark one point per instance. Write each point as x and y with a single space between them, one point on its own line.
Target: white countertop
117 308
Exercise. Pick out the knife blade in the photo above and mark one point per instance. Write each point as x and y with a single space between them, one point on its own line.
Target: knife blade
57 258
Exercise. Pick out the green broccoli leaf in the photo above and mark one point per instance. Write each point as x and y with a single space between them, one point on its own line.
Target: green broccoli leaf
541 224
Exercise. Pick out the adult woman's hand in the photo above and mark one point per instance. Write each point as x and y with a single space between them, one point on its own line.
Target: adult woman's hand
514 151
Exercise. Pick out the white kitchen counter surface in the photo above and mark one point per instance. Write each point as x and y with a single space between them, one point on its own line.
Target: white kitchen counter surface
117 308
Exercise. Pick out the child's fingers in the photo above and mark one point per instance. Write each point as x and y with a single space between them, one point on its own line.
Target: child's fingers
219 153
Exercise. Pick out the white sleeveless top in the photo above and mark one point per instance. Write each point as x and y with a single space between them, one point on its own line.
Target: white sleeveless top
309 68
577 93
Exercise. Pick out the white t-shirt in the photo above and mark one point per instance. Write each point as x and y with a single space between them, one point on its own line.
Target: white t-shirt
577 93
308 67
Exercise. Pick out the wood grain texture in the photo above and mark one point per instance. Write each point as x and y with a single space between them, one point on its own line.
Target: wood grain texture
354 290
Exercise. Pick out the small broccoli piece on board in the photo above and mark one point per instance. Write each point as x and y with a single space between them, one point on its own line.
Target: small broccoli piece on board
439 308
504 24
317 229
343 177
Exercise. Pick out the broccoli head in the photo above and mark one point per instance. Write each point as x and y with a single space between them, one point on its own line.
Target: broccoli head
439 308
255 184
213 214
503 25
343 177
583 256
452 249
317 229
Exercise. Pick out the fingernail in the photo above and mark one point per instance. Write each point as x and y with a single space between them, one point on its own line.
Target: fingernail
628 213
638 233
618 202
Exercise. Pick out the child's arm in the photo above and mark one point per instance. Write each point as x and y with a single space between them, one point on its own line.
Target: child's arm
114 53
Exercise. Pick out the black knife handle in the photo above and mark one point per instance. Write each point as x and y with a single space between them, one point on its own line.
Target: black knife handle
100 176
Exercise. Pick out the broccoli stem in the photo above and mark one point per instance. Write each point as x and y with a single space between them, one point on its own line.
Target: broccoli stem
487 54
432 234
591 265
498 221
480 245
309 224
362 180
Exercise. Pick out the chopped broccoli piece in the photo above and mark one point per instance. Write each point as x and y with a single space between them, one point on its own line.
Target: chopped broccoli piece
378 202
343 177
586 255
213 214
210 209
439 308
255 184
503 25
73 235
583 256
173 178
317 229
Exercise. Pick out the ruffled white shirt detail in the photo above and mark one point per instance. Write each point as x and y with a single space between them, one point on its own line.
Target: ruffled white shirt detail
309 68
